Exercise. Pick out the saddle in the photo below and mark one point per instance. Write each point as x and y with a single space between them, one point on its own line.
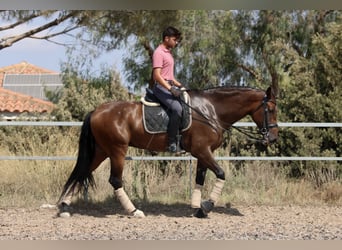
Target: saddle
156 117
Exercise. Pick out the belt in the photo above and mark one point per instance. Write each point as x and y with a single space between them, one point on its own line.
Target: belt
169 81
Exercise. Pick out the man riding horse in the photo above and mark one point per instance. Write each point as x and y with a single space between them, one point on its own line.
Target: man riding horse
166 87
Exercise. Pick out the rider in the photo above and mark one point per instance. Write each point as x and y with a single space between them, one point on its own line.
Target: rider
166 87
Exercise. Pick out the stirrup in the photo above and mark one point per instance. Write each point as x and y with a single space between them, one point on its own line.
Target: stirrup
176 149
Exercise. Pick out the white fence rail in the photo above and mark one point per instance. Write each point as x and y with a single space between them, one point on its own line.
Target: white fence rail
237 124
186 158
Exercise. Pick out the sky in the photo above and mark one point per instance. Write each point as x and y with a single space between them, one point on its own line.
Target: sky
49 55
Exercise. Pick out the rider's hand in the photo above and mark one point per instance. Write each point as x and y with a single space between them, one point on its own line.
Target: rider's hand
176 92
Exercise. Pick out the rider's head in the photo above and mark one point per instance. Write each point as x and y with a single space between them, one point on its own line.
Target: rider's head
171 34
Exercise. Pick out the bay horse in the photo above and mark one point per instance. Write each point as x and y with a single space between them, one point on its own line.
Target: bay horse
112 127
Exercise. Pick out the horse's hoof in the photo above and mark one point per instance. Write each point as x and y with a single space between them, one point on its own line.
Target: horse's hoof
139 214
200 214
207 206
64 210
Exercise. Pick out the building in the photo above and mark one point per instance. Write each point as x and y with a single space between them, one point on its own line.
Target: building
22 90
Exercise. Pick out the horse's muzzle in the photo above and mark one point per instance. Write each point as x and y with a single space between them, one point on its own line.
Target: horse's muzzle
266 141
271 137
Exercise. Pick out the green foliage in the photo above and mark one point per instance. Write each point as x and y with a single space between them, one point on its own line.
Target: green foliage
299 51
310 92
204 57
82 94
207 52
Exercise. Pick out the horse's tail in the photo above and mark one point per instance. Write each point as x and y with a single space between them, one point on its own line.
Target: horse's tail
81 174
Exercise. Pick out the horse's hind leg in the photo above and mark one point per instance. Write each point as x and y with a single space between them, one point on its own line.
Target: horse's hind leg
115 180
65 201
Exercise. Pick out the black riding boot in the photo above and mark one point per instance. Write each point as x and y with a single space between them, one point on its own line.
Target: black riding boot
173 133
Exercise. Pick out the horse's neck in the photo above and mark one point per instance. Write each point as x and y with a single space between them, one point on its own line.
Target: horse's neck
235 105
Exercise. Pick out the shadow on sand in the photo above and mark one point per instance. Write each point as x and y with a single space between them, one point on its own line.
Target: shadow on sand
112 207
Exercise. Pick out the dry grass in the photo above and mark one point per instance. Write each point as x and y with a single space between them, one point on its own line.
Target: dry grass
32 183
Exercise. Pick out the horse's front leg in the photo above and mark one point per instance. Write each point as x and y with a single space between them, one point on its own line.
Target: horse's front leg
197 192
207 206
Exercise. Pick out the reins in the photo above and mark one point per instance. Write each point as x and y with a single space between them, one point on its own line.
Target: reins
207 119
251 135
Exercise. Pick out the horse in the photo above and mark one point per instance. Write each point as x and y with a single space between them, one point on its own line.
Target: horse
111 128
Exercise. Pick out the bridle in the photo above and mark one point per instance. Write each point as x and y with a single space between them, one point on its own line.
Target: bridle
266 126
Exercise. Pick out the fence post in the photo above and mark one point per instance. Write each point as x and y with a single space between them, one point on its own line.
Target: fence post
190 177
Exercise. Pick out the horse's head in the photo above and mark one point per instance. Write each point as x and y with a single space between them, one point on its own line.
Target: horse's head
265 116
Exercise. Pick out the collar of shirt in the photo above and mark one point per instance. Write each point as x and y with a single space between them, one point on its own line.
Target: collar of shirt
165 49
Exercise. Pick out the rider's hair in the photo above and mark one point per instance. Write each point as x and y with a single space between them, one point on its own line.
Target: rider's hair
171 31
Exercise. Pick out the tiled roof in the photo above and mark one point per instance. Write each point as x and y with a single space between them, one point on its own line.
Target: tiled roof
11 101
25 68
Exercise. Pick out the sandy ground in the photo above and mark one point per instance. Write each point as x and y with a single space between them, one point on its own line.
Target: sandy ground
174 222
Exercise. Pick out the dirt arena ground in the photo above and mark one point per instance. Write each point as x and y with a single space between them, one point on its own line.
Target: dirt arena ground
174 222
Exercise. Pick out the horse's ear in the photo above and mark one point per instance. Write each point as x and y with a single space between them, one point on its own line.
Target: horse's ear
269 93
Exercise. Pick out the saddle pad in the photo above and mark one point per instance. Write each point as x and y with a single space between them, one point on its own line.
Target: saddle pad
156 119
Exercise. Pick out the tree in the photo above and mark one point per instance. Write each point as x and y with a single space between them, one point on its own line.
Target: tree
311 90
15 20
204 57
82 93
207 57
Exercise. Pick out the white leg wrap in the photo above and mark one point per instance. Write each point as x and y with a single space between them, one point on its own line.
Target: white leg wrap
216 192
196 197
67 199
124 200
68 196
